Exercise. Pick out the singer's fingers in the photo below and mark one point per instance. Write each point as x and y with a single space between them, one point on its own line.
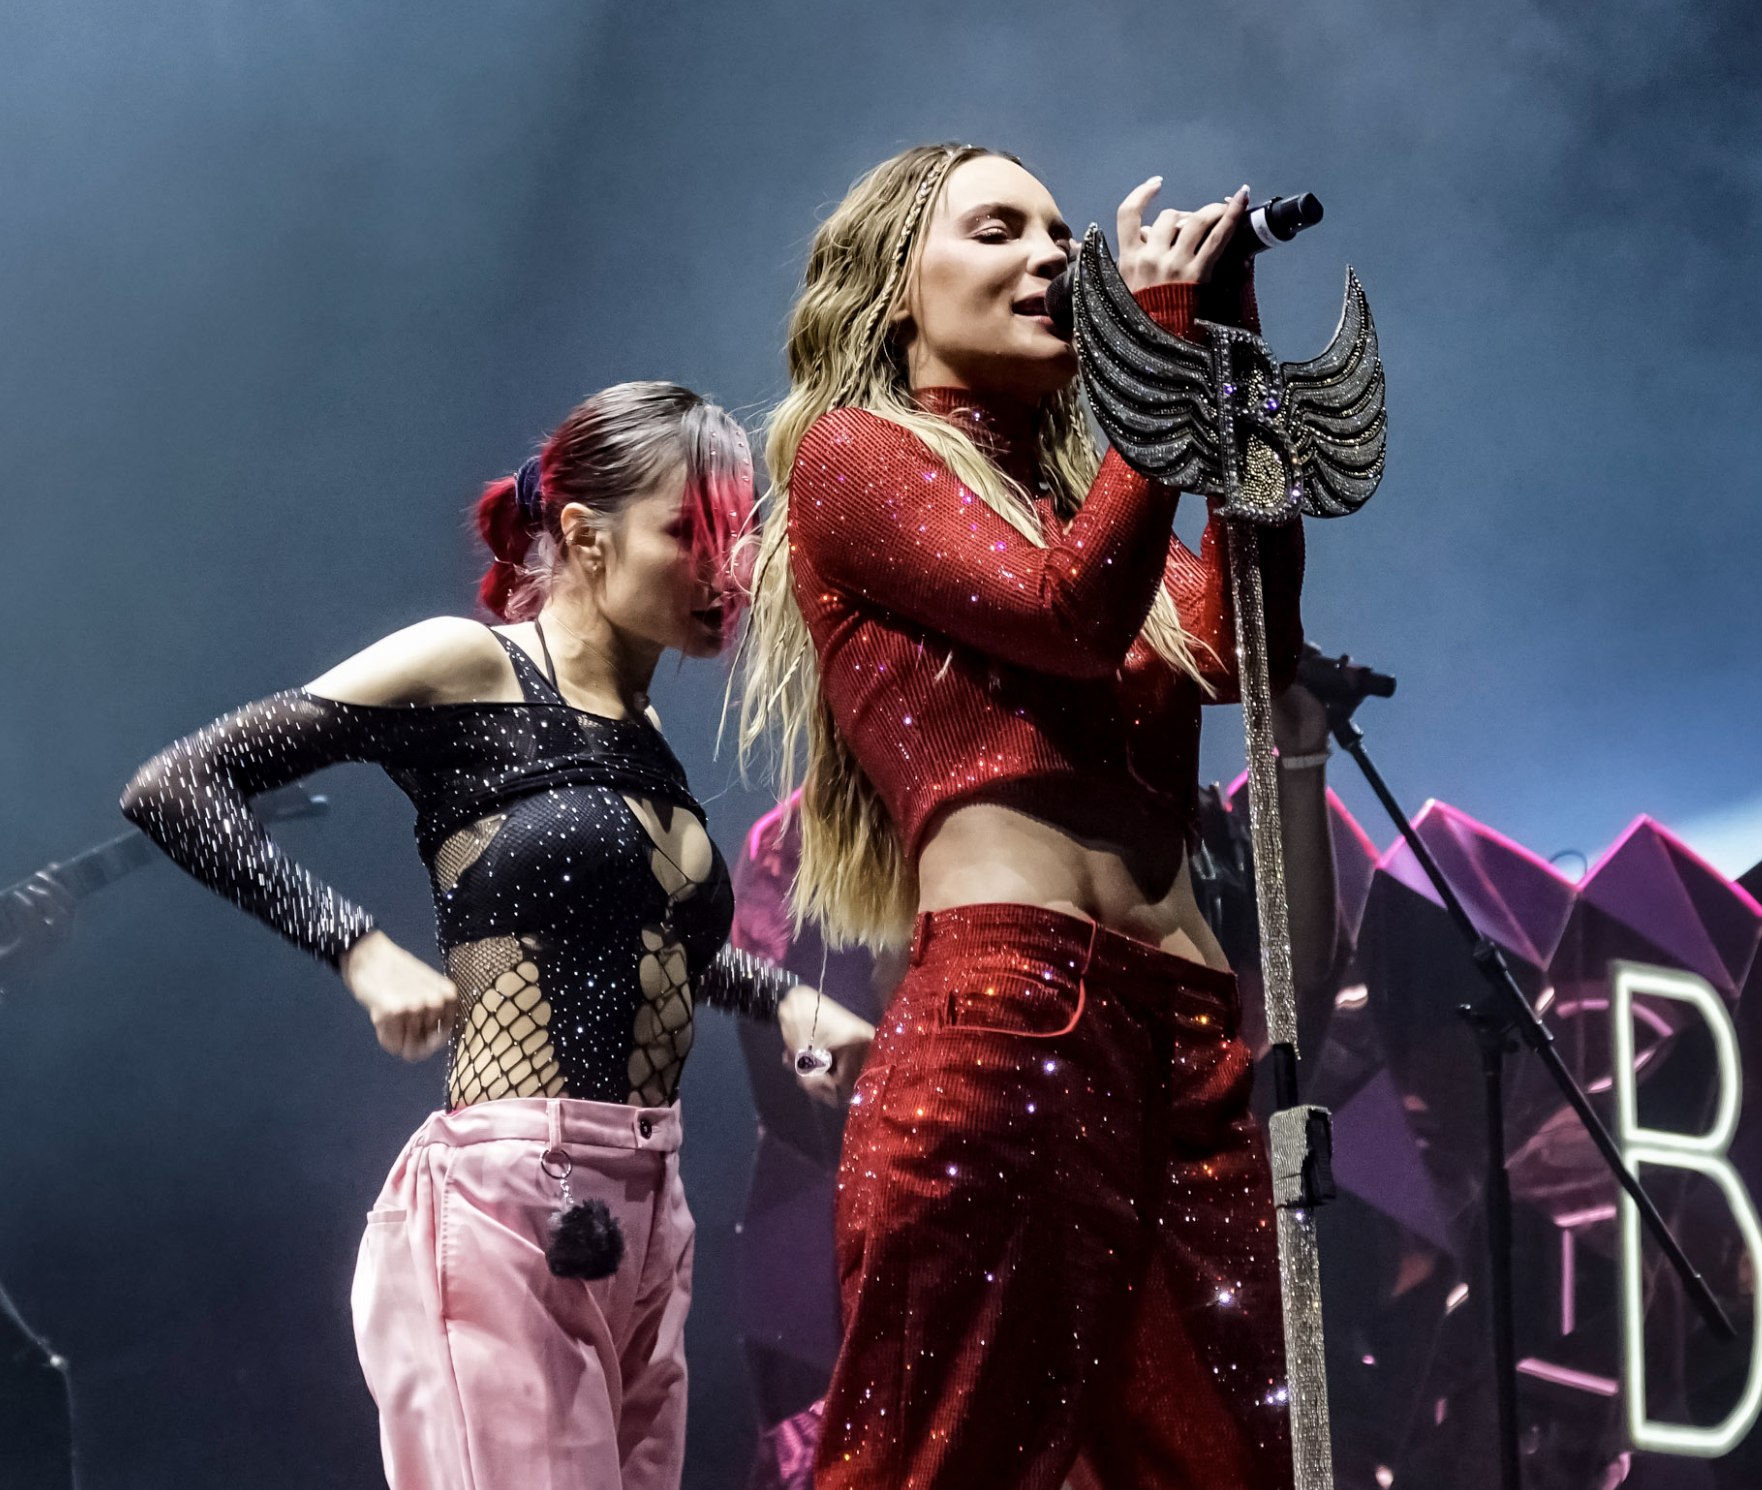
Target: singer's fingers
390 1037
1161 233
1130 221
1196 226
1217 238
819 1085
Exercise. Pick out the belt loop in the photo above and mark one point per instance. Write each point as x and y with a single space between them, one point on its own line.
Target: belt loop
553 1123
1083 976
1089 956
916 954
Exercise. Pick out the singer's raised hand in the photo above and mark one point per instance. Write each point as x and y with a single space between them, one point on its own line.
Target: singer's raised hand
1177 247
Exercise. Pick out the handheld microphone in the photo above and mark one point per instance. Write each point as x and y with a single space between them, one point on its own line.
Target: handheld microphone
1273 222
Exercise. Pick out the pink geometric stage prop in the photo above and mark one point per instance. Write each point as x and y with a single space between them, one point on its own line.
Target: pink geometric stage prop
1404 1256
1400 1068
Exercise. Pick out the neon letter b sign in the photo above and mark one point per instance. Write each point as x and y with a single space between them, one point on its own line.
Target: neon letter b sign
1702 1153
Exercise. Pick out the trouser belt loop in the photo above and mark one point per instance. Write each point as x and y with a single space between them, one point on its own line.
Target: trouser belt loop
1089 955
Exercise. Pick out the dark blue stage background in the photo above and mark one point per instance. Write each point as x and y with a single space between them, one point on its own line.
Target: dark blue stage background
280 285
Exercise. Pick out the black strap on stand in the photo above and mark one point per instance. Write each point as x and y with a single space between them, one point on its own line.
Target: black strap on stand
1504 1022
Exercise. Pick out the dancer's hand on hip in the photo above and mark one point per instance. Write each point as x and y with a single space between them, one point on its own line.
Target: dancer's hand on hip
807 1017
410 1004
1177 247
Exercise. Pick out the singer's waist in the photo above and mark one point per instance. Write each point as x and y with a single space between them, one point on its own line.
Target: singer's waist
1112 865
1113 789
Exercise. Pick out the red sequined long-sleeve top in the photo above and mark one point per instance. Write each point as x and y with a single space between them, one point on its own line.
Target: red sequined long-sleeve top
963 663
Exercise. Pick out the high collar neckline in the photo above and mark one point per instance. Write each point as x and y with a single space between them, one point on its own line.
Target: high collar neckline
1001 426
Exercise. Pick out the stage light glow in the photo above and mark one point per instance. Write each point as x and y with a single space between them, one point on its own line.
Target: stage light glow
1566 1376
1569 1222
1700 1153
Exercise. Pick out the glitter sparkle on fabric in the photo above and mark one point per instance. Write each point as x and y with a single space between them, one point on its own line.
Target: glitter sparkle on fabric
578 946
1271 440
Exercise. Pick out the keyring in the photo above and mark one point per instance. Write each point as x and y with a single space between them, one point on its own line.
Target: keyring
810 1060
557 1164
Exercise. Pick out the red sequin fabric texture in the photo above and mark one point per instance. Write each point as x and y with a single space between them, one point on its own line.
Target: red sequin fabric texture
1055 1225
963 663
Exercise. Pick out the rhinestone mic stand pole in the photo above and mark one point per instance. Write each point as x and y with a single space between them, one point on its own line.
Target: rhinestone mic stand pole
1266 440
1299 1138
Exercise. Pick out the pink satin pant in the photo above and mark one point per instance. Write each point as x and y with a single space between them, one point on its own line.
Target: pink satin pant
489 1373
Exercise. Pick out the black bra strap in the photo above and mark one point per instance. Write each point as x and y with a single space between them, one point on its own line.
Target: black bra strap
533 683
550 667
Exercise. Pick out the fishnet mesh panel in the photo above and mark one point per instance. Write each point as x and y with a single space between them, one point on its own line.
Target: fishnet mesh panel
663 1030
463 849
501 1037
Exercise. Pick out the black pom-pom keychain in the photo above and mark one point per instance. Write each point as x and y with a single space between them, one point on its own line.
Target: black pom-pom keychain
586 1240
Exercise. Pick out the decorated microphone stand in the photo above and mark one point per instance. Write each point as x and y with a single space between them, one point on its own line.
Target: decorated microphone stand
1267 440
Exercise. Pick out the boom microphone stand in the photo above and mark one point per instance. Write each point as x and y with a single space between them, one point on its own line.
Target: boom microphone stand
36 1392
1342 686
37 910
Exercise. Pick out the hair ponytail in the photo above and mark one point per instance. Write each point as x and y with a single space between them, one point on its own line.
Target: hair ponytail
605 453
506 536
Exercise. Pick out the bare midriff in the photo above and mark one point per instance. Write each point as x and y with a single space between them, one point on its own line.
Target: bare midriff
1134 881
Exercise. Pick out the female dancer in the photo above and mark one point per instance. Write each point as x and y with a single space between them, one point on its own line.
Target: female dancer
581 906
1054 1217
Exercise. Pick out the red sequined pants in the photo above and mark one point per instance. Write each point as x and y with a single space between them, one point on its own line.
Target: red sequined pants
1055 1228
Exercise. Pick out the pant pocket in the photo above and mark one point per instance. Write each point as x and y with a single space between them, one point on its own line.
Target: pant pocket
1015 1005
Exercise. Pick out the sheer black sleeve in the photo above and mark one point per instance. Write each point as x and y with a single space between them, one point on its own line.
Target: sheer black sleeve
193 800
741 983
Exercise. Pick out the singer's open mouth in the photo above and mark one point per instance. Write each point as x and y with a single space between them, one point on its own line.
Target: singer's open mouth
1034 305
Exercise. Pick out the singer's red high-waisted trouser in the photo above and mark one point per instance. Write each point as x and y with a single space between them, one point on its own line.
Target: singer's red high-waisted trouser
1055 1225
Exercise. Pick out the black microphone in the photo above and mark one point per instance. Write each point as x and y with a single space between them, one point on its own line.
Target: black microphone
1340 680
1271 223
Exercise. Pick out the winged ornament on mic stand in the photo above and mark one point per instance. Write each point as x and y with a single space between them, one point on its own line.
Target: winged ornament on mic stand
1268 440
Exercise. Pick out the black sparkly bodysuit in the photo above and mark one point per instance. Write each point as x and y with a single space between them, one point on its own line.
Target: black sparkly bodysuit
579 916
